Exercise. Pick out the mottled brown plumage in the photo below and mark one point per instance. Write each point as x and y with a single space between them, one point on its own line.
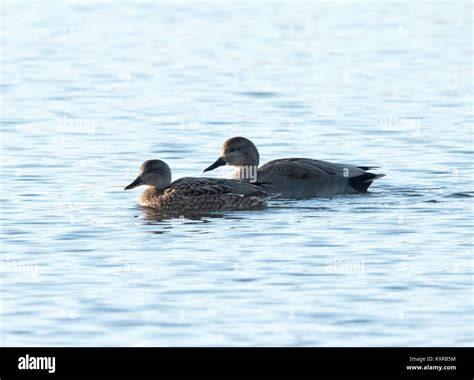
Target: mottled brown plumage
192 194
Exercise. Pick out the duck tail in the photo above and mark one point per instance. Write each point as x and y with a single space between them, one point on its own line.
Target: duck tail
362 182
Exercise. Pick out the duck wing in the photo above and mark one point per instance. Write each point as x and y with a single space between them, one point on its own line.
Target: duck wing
293 168
306 168
196 186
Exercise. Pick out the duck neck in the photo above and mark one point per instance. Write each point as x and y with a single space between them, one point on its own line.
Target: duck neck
151 191
246 173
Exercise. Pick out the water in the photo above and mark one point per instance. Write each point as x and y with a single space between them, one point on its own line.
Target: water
90 90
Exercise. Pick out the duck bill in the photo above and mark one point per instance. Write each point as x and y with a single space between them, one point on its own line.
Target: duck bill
219 162
138 182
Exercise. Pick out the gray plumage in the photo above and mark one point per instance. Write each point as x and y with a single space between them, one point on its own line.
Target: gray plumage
294 177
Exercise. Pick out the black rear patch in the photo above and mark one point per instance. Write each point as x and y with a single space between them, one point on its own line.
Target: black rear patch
362 182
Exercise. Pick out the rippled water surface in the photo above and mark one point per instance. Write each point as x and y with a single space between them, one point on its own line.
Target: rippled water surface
92 89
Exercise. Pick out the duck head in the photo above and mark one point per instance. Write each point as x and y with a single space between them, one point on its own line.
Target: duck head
154 173
237 151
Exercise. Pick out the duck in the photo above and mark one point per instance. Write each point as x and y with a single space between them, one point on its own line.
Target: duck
293 177
194 194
